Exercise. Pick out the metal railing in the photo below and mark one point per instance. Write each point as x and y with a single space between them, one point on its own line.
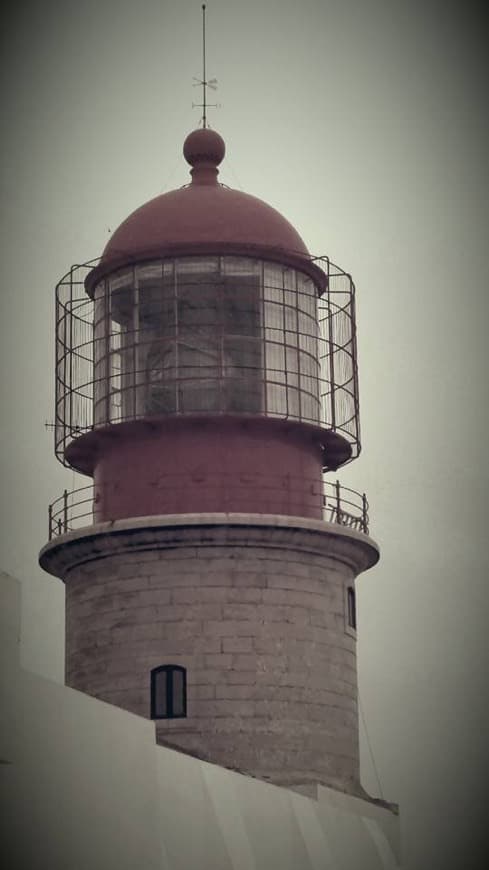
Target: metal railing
135 351
72 510
346 507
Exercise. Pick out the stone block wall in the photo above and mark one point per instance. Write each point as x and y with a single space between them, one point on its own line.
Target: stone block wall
255 612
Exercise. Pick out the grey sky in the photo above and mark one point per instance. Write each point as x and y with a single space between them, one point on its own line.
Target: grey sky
365 124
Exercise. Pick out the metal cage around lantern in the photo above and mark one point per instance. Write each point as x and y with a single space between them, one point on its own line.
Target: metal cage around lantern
205 335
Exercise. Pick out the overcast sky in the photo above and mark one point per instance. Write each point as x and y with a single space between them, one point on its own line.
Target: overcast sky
365 124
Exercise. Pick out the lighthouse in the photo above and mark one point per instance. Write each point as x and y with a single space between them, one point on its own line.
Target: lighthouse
206 384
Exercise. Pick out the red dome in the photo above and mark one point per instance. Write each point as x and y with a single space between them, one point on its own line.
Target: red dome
203 214
204 217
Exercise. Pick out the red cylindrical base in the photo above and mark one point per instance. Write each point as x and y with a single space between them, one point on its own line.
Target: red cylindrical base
210 465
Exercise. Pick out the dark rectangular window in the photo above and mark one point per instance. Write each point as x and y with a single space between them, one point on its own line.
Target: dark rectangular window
168 692
352 607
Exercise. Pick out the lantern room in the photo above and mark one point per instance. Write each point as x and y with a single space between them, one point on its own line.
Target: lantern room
208 334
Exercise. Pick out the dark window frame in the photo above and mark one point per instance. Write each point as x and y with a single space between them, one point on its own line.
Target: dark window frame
169 671
351 608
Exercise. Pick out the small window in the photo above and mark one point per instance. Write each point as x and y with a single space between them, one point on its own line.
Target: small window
352 607
168 692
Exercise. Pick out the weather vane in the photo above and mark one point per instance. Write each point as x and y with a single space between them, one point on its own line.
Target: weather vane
212 83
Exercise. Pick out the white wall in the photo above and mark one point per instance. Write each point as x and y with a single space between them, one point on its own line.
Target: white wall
86 787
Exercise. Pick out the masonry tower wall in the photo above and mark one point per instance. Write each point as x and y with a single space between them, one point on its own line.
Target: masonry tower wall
254 608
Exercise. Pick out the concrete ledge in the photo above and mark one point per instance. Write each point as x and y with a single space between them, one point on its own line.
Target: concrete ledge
355 549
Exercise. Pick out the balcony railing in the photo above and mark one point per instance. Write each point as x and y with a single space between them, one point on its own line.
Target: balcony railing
346 507
72 510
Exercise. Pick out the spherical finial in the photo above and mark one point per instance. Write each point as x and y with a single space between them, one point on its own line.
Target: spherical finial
204 146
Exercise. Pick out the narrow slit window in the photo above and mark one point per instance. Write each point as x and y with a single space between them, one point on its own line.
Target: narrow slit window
168 692
352 607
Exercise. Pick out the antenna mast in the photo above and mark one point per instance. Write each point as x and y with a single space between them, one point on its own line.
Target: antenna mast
212 83
204 83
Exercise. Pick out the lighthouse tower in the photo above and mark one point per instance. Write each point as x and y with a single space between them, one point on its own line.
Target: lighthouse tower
206 380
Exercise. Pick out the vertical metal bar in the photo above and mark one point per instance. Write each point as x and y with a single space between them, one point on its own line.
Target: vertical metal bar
50 522
204 81
317 353
283 347
125 371
136 403
176 376
94 357
276 374
338 501
331 355
87 404
263 342
56 380
70 414
355 363
65 511
323 345
220 296
364 512
108 349
106 344
298 385
65 384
